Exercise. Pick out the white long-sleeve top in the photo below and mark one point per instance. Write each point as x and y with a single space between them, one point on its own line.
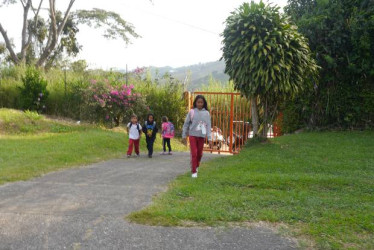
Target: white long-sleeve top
199 125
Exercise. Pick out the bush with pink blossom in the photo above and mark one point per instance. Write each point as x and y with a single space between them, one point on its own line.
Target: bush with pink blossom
109 103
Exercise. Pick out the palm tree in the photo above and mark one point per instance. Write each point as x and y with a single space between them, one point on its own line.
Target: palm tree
266 57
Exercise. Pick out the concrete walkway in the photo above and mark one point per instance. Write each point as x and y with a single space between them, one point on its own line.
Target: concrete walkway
84 208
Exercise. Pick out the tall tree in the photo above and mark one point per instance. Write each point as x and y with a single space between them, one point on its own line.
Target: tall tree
58 32
266 57
68 44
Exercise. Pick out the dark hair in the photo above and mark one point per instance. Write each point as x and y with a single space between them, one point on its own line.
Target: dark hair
149 115
165 119
204 100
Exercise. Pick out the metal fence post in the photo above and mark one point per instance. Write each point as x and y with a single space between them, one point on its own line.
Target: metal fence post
231 122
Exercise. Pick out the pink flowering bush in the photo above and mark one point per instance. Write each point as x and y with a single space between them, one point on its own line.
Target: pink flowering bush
113 103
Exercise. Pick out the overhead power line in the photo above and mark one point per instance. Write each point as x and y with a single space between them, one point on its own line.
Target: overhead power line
173 20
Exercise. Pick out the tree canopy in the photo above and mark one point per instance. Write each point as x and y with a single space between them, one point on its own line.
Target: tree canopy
46 37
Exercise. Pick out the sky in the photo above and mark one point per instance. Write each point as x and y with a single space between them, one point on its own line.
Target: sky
173 32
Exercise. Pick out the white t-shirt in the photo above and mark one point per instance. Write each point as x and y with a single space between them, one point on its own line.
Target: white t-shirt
133 131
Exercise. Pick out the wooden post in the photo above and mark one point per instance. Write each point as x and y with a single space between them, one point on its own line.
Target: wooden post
189 101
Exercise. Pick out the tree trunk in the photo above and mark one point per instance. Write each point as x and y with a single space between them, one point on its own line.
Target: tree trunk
24 30
265 128
8 44
254 113
54 32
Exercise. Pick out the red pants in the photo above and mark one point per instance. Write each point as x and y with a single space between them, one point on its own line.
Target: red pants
131 143
196 147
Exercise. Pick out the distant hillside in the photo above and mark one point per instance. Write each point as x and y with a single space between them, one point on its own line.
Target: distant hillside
196 75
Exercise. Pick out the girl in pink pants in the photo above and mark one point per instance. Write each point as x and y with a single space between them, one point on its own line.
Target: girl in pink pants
197 126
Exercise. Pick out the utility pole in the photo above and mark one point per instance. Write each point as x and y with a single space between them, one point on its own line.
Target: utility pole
126 75
65 79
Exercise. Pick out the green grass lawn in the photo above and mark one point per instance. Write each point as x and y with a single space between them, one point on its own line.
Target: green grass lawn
32 145
321 185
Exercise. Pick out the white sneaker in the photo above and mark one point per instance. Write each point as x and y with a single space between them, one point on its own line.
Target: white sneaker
194 175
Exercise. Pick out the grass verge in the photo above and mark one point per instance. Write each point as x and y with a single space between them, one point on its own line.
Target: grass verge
31 145
319 184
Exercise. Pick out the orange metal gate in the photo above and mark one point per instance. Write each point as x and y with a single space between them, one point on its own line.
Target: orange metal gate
230 114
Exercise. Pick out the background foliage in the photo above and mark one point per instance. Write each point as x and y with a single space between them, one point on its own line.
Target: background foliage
70 94
341 37
164 95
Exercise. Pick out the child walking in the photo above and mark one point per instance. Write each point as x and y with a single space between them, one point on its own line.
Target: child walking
167 134
150 130
197 126
134 130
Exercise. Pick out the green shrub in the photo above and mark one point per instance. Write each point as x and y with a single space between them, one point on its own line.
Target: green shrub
32 115
344 48
34 90
294 115
10 81
73 100
9 94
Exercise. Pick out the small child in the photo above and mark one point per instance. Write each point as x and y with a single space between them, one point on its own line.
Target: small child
134 131
167 134
150 130
198 127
